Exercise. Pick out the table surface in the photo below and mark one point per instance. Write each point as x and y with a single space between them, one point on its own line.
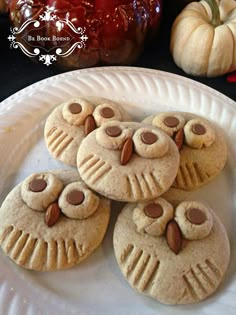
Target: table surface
17 70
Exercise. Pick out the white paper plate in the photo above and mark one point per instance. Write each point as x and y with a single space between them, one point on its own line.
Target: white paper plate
97 285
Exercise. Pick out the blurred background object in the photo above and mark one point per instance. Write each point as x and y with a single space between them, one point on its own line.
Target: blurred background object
117 30
3 6
175 6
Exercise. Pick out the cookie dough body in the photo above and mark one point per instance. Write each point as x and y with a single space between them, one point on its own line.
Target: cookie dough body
140 179
63 139
153 269
30 243
199 166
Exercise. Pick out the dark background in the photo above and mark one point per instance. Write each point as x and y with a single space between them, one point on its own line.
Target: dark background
18 71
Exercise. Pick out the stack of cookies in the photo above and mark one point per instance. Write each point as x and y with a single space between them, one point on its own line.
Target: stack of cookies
171 248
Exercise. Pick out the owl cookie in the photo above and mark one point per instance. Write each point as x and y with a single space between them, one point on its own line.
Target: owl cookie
177 254
128 161
73 120
203 150
52 221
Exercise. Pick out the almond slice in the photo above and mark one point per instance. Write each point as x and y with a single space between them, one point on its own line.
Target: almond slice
52 214
127 151
174 237
179 138
89 125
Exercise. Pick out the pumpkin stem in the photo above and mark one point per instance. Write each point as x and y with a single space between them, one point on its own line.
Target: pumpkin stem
215 12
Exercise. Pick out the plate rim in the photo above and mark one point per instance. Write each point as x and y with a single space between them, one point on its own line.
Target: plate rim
127 69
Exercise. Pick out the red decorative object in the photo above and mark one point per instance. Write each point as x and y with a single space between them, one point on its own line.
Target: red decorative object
116 29
231 78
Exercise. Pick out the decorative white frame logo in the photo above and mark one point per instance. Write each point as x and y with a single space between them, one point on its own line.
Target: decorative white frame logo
47 58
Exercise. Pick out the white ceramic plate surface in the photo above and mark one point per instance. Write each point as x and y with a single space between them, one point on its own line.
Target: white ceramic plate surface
97 285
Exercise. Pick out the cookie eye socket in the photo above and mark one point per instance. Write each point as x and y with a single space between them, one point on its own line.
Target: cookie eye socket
150 143
78 202
112 135
198 134
40 190
106 112
194 219
76 111
153 217
169 122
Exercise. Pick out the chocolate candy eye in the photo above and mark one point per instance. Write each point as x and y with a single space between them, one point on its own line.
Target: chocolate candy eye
37 185
153 210
113 131
198 129
195 216
75 197
149 137
75 108
107 112
171 121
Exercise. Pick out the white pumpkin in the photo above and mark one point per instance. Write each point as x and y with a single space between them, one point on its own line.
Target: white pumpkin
203 38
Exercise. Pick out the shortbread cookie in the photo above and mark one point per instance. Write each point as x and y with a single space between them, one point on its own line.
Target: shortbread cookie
128 161
71 121
203 149
52 221
177 254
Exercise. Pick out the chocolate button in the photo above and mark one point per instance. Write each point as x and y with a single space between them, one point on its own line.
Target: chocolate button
107 112
75 108
75 197
37 185
153 210
149 137
196 216
198 129
171 121
113 131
